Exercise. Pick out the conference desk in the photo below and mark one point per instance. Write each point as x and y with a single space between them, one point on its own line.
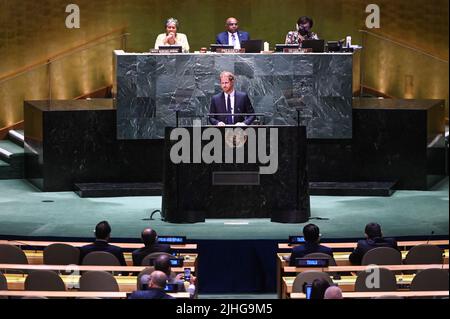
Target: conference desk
36 257
346 283
400 294
78 294
352 245
284 286
126 283
43 244
341 258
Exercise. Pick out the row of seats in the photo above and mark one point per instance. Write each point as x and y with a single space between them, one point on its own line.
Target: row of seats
63 254
418 255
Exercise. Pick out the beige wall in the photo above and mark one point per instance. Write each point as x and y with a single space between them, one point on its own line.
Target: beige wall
32 31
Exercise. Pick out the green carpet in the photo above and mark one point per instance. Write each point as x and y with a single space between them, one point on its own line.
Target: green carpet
406 213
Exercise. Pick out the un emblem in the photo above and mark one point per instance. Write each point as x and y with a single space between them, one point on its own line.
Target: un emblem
235 138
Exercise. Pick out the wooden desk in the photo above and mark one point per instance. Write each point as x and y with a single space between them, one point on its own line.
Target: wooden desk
346 283
351 246
36 257
289 269
80 244
403 294
126 283
78 294
84 268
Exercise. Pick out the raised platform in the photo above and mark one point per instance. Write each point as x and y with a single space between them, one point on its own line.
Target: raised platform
118 189
352 189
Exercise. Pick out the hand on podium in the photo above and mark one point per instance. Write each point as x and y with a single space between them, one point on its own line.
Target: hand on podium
221 124
240 124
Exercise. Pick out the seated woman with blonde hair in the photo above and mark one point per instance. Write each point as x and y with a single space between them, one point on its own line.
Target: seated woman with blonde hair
172 37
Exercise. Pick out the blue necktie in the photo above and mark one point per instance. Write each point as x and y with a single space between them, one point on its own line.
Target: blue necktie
229 117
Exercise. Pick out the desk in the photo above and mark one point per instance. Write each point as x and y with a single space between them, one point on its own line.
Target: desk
78 294
402 294
80 244
346 283
36 257
351 246
283 269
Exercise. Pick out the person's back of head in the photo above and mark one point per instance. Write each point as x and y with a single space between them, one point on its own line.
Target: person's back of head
103 230
162 263
149 237
373 230
158 279
311 233
319 286
333 292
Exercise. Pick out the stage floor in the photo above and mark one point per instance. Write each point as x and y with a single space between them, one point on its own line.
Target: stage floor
26 211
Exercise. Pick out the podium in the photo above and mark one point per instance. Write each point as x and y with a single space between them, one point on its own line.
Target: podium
194 191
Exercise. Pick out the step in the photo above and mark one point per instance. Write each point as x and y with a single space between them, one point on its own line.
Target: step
352 188
17 136
9 150
118 189
9 172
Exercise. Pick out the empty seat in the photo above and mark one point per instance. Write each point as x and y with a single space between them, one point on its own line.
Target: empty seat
61 254
98 281
424 254
10 254
308 277
382 256
149 259
430 280
383 280
100 258
44 280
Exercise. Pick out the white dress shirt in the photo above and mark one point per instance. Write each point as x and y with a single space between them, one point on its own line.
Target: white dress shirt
237 44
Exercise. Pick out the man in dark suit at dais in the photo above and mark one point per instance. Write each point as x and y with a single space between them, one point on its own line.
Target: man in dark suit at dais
231 103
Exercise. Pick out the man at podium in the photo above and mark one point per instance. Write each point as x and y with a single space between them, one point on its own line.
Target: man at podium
229 104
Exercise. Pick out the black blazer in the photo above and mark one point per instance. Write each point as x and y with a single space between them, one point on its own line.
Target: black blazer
308 248
368 244
101 245
139 254
150 293
242 104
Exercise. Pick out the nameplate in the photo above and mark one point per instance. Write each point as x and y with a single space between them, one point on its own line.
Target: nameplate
297 50
231 178
164 51
223 50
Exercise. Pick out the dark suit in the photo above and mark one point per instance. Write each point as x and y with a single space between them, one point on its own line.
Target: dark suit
222 38
368 244
101 245
308 248
139 254
242 104
150 293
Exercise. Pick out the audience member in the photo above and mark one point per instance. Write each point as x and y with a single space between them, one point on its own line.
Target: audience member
312 244
150 239
333 292
374 239
102 237
156 283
